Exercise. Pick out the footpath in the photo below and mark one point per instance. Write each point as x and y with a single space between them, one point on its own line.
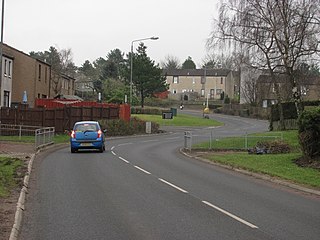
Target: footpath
8 205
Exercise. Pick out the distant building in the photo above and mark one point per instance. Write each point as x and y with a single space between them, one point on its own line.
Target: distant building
191 84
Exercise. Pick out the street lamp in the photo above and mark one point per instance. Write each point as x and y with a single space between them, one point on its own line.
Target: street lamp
1 50
131 62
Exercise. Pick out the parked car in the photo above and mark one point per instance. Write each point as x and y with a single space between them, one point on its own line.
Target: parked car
87 135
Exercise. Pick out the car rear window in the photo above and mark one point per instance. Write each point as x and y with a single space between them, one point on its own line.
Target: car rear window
86 127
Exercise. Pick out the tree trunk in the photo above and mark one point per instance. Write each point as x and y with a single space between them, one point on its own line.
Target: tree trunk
142 99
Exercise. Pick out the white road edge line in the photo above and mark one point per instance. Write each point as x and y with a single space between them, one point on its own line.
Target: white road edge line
142 170
172 185
231 215
126 161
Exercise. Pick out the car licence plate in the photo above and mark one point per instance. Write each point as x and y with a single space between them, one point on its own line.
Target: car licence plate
86 144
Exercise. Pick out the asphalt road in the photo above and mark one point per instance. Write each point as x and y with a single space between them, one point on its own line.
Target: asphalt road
143 188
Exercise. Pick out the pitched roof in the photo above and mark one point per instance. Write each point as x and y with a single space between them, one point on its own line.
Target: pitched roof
310 80
196 72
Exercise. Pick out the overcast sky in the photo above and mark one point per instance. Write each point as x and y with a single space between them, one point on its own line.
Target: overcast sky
91 28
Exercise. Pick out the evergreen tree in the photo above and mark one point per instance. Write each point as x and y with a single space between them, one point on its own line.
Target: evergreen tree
147 77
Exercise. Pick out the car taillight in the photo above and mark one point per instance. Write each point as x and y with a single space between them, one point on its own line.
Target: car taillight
99 133
73 134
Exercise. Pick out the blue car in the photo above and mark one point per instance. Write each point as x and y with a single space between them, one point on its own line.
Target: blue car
87 135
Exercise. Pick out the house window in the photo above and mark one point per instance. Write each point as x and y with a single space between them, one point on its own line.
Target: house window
219 91
303 90
211 93
175 79
174 91
39 72
6 98
221 81
46 73
5 67
9 68
274 85
202 92
44 96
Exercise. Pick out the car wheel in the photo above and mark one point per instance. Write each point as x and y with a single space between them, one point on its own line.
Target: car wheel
101 149
73 150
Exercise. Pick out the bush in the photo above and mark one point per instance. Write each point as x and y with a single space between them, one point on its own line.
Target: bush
148 110
118 127
274 147
309 132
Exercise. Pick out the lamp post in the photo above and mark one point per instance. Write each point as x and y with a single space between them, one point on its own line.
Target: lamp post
131 62
1 51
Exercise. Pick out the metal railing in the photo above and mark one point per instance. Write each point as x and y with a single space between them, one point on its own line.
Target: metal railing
44 136
40 136
209 141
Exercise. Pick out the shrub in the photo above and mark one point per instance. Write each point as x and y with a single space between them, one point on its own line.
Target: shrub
309 132
147 110
274 147
118 127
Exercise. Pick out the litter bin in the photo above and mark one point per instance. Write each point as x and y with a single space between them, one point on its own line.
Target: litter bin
167 115
174 111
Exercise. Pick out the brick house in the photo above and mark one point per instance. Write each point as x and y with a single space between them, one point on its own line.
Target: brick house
23 74
191 84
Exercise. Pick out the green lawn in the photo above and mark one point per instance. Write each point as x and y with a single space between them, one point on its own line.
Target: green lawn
276 165
179 120
8 169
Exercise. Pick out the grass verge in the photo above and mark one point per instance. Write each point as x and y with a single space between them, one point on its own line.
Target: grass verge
8 174
179 120
290 137
275 165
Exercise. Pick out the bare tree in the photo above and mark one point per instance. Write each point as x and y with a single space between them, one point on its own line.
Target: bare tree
276 35
65 66
170 63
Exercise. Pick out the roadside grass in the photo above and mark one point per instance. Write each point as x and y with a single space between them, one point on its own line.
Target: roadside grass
8 173
241 142
179 120
275 165
61 138
22 139
58 138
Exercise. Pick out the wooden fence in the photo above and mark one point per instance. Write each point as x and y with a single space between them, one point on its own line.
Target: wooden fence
60 118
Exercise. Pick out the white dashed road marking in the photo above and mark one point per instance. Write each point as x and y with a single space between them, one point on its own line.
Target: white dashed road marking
172 185
142 170
230 215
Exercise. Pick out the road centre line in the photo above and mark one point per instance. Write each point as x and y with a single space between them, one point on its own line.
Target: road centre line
113 153
126 161
113 147
230 215
172 185
142 170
